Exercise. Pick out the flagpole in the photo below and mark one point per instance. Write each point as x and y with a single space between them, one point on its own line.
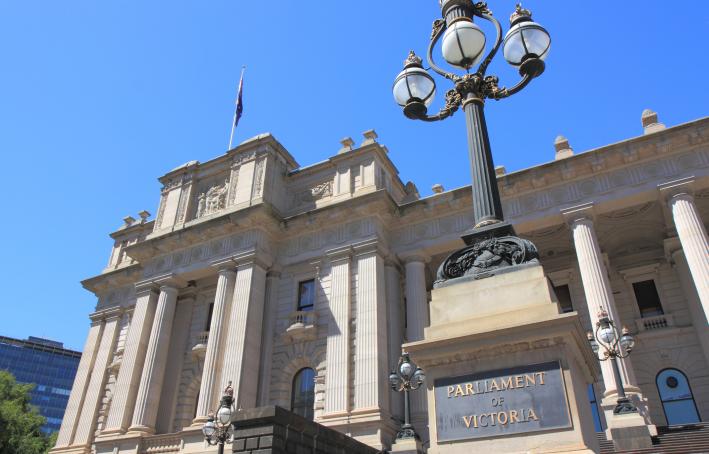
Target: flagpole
233 120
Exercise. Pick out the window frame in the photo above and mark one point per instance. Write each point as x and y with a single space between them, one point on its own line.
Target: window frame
560 278
298 306
293 393
691 393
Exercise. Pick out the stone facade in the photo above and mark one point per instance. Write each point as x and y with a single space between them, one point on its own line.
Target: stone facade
240 232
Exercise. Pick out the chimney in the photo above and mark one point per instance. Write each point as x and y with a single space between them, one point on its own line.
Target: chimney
650 122
563 149
347 144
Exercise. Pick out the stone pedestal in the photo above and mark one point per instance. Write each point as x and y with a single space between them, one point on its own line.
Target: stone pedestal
506 372
407 446
629 432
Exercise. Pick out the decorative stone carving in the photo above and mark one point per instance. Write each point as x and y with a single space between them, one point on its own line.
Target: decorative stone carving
317 192
213 200
485 257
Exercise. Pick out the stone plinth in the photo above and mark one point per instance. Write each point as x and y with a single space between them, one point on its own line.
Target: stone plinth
508 325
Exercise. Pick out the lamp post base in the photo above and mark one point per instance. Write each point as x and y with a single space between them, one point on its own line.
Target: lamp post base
624 406
491 250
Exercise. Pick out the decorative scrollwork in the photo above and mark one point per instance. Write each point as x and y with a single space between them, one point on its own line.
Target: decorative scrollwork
437 26
406 433
482 8
488 255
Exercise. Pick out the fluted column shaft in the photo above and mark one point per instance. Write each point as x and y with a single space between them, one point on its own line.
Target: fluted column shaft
599 294
695 244
337 375
269 322
370 374
417 318
395 330
128 381
89 410
78 390
148 398
242 350
208 397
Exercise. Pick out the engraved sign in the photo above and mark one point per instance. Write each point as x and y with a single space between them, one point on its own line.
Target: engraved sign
501 402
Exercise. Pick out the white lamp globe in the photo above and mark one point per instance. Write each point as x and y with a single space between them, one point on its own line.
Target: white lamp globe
526 39
414 84
607 334
224 416
208 429
463 44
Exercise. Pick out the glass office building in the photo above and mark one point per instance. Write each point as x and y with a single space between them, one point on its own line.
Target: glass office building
46 364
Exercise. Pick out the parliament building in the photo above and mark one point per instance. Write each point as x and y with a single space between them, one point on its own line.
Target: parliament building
299 284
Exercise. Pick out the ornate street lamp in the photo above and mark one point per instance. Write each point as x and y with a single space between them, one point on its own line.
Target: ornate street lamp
614 347
491 241
407 377
218 430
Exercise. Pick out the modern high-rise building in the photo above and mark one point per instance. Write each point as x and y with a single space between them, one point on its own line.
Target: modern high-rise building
299 284
47 365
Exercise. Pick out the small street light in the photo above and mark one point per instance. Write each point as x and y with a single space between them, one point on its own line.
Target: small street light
218 431
614 347
492 243
407 377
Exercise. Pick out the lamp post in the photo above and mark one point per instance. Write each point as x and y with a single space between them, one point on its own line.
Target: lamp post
218 431
406 378
614 347
491 242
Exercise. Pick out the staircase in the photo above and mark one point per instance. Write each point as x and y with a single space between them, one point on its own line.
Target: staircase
687 439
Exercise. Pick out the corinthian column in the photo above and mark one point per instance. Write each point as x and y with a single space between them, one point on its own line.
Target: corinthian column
337 390
222 303
695 244
242 349
417 318
121 412
597 288
148 399
78 390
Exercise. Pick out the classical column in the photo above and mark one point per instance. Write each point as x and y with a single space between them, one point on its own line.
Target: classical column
148 399
673 250
417 318
596 287
78 390
121 411
395 329
371 365
416 297
89 410
269 326
337 390
242 349
695 244
208 394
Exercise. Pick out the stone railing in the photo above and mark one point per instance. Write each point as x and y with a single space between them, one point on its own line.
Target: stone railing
301 326
161 444
654 323
200 344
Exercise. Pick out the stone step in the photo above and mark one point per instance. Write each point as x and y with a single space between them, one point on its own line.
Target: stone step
688 439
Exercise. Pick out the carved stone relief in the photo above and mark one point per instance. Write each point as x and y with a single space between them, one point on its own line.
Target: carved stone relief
212 200
319 191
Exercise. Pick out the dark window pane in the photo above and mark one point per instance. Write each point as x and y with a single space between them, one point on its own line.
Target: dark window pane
306 295
647 298
209 316
564 296
597 423
303 393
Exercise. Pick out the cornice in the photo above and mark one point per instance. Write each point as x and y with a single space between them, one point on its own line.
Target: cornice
115 278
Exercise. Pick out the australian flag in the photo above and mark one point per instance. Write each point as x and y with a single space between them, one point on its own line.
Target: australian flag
239 102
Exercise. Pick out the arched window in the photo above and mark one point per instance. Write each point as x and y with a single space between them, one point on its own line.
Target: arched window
676 396
303 393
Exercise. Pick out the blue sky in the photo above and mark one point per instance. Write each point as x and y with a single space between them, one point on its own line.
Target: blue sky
99 98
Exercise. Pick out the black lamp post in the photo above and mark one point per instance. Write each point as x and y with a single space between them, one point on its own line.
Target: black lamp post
614 347
492 244
407 377
218 431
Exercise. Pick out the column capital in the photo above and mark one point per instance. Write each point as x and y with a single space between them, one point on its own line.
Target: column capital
682 188
253 257
170 281
415 256
106 314
339 254
224 265
579 214
671 246
371 246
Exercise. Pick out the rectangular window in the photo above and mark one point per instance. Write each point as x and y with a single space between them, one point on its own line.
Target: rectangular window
647 298
564 296
209 316
306 295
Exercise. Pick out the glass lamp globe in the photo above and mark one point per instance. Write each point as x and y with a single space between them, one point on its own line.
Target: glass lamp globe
463 44
606 333
393 379
208 429
627 341
414 84
526 39
406 369
224 416
419 376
